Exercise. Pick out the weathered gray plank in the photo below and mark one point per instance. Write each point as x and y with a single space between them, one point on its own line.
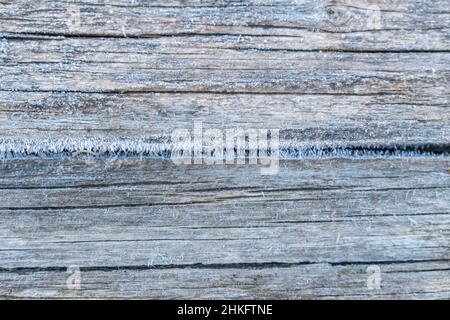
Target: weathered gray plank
405 100
332 25
115 75
209 64
377 119
155 219
377 98
316 281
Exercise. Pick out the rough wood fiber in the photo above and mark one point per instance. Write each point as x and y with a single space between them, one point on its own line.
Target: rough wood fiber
397 118
211 64
91 78
310 24
307 232
356 73
399 97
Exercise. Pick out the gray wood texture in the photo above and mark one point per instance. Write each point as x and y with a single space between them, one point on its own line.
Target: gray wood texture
81 77
308 232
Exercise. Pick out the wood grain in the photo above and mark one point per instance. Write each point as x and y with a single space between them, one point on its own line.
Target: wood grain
150 87
226 224
77 77
192 64
308 24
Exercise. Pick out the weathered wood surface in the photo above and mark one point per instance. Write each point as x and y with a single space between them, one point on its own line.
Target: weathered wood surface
77 77
306 232
66 87
68 84
309 24
396 118
191 64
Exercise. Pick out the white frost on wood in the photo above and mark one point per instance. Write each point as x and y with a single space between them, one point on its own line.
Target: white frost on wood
164 148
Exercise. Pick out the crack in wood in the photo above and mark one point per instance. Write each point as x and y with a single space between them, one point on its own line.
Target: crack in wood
139 148
256 265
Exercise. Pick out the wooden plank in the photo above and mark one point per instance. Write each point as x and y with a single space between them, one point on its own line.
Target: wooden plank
308 24
398 118
336 97
91 91
152 217
316 281
405 101
196 64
